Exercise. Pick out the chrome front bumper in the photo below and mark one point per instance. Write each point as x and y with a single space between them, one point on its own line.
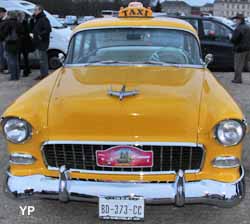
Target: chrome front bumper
179 192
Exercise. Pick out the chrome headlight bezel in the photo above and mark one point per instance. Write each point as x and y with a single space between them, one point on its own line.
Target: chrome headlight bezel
24 124
241 123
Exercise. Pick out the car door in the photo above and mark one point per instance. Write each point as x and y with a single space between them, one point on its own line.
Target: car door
195 22
216 40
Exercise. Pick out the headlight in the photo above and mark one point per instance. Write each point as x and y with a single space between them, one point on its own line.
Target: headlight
230 132
16 130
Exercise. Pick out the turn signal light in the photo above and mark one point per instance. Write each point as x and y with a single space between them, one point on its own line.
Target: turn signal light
21 159
226 162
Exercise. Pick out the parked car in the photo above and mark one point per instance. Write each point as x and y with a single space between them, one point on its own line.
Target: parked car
215 35
61 20
56 16
132 117
159 14
59 38
109 13
84 19
71 20
81 20
87 18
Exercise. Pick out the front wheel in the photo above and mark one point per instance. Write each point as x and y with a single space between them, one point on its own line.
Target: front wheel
54 61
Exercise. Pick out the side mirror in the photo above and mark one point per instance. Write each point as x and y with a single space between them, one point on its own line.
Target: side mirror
61 58
208 59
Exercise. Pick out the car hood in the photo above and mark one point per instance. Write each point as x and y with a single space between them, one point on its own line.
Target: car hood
65 32
166 108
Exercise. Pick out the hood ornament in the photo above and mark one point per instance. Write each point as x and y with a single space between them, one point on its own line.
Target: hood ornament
122 93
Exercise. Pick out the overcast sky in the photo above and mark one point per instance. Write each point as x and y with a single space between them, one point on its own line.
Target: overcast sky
197 2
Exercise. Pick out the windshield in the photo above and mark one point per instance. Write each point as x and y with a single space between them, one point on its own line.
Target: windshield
134 45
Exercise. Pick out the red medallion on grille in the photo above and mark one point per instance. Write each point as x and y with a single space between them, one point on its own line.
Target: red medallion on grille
124 156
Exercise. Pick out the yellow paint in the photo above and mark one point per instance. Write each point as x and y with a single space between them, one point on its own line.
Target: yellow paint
170 23
174 105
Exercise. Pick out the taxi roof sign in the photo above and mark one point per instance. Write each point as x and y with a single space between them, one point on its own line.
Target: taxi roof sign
135 9
135 4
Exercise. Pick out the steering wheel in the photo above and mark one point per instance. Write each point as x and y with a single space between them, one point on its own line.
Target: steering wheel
162 55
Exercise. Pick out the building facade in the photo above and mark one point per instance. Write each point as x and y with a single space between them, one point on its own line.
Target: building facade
207 8
182 7
176 7
229 8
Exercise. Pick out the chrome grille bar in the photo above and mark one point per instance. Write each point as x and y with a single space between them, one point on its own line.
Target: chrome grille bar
83 157
190 159
171 158
181 154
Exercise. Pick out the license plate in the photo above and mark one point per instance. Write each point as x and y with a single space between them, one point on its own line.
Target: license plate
121 208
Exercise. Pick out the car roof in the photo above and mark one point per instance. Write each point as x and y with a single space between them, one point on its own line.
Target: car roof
160 22
15 3
221 20
198 17
195 17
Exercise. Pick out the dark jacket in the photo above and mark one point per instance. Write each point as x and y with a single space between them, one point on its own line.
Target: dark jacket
1 24
26 41
41 29
241 38
10 32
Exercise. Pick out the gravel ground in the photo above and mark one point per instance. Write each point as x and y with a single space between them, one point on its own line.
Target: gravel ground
55 212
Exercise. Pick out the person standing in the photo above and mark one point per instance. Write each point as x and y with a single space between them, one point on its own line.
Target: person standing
26 46
41 30
3 13
11 31
241 41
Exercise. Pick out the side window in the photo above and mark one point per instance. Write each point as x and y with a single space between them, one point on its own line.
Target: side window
216 31
194 23
83 47
77 49
88 44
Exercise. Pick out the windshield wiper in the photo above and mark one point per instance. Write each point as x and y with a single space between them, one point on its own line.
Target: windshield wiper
152 62
107 62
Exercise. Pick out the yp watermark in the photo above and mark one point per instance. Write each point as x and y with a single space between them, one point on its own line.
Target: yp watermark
27 210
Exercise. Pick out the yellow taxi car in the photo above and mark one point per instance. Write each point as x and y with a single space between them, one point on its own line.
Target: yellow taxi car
132 117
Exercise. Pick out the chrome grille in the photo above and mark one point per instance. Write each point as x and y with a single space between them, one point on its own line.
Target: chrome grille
83 157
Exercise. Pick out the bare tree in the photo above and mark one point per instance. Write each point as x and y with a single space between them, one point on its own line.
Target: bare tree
83 7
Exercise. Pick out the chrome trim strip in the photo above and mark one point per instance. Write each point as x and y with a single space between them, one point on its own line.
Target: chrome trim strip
123 172
133 65
182 144
136 143
179 193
